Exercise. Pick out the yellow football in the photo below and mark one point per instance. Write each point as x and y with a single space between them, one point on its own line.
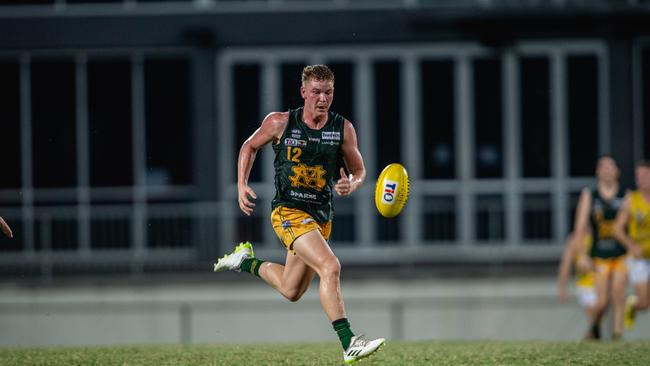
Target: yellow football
392 190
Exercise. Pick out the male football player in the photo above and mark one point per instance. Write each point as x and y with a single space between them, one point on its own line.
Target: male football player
577 253
635 214
308 144
597 209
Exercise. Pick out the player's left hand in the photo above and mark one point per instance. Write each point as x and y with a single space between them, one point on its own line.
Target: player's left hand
344 185
5 228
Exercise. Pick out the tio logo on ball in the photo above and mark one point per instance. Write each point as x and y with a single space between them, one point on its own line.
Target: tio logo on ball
390 187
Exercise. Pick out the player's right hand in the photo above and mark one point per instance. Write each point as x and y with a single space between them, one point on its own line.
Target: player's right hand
246 194
584 264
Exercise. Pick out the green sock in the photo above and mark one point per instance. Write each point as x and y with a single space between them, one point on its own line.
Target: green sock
251 265
342 328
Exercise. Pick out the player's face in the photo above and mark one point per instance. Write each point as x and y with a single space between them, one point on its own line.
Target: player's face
318 96
643 178
607 169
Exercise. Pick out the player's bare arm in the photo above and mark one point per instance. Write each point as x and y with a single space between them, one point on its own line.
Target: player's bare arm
581 227
5 228
354 162
565 267
619 229
270 130
581 222
572 249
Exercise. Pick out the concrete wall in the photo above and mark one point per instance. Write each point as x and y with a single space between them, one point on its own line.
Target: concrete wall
248 311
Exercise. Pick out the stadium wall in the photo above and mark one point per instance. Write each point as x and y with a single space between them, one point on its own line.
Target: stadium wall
426 309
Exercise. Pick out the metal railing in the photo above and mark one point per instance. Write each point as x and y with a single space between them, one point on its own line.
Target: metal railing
446 220
186 235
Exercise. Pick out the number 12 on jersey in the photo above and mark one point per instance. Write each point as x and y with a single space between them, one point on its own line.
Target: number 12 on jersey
293 154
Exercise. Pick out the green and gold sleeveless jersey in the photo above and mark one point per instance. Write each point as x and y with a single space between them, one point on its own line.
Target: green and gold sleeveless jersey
638 223
603 215
306 165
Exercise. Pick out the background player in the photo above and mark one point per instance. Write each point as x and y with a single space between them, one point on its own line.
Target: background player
308 144
635 215
577 253
597 209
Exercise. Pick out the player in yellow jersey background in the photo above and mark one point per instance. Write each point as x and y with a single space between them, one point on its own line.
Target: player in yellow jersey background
634 216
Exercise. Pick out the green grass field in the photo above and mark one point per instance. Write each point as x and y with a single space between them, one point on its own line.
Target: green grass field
394 353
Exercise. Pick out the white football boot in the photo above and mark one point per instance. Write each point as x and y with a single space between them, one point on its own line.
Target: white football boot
361 348
233 260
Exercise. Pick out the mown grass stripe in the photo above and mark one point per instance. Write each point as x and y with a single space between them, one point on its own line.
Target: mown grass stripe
395 353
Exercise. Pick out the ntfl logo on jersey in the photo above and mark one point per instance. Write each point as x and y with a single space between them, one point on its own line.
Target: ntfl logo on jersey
392 190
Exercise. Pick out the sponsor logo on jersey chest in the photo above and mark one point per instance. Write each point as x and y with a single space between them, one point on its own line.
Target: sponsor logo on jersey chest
294 142
331 135
309 196
330 142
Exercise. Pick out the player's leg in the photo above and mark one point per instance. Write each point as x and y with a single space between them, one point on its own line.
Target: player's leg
312 248
642 291
636 302
643 288
619 282
291 279
587 299
602 287
639 273
646 304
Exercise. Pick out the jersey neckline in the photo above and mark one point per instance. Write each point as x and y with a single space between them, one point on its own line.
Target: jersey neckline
302 121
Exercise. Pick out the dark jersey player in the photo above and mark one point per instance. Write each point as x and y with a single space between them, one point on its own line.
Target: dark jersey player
308 143
597 209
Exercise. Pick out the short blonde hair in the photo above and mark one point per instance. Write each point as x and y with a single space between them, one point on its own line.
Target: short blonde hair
317 72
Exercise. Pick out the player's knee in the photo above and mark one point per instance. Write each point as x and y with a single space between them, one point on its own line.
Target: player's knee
294 295
643 304
331 268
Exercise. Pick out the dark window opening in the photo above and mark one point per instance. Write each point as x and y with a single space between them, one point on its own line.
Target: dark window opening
438 147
